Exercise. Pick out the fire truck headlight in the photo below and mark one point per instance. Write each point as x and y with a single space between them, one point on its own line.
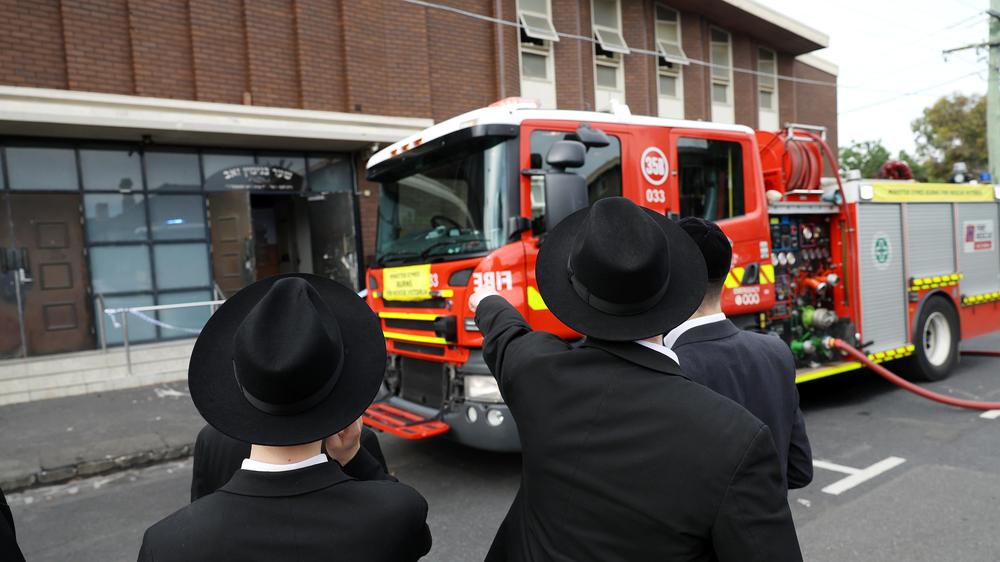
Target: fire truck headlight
482 388
494 417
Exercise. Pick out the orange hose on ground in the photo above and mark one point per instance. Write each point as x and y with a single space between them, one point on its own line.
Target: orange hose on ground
920 391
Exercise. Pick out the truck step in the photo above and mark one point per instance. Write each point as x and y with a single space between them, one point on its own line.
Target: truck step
401 423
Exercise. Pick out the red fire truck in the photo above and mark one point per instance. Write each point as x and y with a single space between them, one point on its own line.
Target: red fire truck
901 270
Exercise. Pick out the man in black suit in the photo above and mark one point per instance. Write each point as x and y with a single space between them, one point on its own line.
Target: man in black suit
9 551
623 457
755 370
289 364
217 457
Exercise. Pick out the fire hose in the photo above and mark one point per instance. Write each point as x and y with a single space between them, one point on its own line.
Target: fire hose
895 379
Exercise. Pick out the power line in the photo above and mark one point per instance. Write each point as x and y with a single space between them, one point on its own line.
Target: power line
906 94
500 21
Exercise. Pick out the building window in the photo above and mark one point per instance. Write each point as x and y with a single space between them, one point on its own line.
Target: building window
609 46
710 178
537 36
669 63
42 168
720 56
607 26
111 169
767 89
536 19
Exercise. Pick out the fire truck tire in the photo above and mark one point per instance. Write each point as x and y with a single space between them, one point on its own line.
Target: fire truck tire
935 337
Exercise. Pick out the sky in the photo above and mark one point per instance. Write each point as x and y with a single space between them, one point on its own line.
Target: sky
891 65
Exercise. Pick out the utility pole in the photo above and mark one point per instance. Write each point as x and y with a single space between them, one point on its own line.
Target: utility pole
992 90
993 95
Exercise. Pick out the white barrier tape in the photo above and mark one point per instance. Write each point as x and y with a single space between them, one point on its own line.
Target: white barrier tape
118 325
114 319
162 324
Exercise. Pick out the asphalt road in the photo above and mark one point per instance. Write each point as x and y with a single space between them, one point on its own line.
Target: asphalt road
936 497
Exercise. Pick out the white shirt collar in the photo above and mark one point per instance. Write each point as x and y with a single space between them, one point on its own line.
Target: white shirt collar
671 338
659 349
257 466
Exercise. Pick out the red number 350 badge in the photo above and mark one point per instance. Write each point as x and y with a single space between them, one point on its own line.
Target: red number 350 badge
654 166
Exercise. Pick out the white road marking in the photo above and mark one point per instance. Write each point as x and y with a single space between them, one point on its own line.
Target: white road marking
990 414
862 476
835 467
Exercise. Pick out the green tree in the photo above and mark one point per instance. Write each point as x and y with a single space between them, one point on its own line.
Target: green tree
866 156
952 130
916 166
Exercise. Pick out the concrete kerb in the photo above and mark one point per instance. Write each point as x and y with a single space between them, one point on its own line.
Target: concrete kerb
12 481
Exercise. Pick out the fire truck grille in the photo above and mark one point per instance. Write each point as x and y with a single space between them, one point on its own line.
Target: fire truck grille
417 348
410 324
423 382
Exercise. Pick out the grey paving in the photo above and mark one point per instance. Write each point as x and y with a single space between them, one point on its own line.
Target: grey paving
52 441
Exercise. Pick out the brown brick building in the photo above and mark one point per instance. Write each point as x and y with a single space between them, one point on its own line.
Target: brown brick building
163 151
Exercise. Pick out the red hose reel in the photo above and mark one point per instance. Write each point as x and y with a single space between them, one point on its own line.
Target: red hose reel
790 161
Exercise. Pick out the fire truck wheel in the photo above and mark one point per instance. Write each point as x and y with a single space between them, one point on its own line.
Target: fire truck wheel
935 336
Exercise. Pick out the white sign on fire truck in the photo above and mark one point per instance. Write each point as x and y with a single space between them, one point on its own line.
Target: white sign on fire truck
978 236
496 280
653 164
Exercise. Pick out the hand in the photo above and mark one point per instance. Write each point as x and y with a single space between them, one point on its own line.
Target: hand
478 296
342 446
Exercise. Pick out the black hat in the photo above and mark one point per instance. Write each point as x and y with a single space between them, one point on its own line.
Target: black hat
288 360
620 272
714 245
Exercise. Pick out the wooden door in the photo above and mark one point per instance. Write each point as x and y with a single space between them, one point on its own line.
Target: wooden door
232 240
48 236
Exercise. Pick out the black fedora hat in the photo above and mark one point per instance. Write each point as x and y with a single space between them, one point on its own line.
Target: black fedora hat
288 360
617 271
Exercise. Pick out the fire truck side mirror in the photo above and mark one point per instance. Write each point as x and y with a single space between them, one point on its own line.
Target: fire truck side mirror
565 192
566 154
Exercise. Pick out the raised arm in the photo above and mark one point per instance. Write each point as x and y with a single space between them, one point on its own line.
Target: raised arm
506 335
754 522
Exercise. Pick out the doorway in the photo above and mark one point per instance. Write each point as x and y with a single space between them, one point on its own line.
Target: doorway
281 235
45 302
259 235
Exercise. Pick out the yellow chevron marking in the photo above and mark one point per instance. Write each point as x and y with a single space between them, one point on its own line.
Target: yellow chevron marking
414 338
407 316
766 273
535 301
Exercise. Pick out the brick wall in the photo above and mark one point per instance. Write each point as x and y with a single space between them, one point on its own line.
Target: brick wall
694 41
816 104
36 24
383 57
744 84
162 68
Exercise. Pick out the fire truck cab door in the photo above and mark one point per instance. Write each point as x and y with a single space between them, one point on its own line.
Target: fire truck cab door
717 178
603 171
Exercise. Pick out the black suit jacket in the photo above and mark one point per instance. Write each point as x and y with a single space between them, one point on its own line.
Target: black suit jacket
9 551
758 372
322 512
218 456
626 459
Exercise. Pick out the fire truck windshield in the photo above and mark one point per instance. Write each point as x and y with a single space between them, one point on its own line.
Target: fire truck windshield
448 207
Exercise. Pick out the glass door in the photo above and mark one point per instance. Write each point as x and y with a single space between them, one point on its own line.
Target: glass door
11 327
